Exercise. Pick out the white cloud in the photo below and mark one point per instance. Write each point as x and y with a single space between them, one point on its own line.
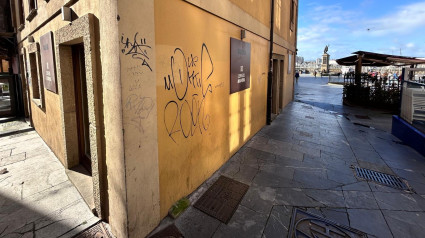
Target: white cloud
350 30
404 20
323 27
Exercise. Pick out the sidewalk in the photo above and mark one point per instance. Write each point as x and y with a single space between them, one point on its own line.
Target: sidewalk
36 197
305 160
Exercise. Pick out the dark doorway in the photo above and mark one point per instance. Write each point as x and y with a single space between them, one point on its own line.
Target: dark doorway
81 105
275 89
281 84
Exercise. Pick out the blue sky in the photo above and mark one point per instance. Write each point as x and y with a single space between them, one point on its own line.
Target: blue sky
383 26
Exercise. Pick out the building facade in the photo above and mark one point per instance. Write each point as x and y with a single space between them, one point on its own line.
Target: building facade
152 97
10 87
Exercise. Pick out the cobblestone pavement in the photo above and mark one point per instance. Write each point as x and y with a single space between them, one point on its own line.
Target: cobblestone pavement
305 159
36 197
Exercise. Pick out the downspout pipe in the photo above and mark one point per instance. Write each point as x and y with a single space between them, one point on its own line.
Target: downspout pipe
270 74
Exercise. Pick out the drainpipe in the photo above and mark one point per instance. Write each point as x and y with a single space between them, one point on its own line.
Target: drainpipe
270 74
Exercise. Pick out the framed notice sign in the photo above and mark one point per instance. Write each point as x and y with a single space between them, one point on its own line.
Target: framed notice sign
48 62
240 65
289 63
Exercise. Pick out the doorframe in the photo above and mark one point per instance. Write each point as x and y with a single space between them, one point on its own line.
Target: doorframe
26 94
82 30
281 83
275 88
79 81
279 90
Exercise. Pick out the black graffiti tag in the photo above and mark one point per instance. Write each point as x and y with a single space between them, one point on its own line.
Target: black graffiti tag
137 48
185 75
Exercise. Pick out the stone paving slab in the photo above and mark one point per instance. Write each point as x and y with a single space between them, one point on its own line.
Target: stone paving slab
305 160
369 221
311 168
278 222
405 224
36 197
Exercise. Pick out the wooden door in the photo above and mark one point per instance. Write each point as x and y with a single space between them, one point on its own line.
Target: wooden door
81 105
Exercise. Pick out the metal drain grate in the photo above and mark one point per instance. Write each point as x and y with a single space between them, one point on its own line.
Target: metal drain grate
384 179
307 225
222 199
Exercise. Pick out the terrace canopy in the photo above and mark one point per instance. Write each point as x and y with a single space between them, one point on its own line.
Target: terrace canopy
375 59
364 58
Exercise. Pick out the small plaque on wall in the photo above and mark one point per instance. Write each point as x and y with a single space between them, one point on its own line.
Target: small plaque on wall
240 65
289 63
48 62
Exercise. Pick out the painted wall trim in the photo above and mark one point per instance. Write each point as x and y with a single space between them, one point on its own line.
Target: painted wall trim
113 119
136 28
81 30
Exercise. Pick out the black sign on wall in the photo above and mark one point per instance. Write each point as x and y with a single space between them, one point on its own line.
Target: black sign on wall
240 65
48 62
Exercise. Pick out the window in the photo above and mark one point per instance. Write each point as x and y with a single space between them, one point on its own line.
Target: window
21 14
278 13
5 66
32 6
35 77
292 23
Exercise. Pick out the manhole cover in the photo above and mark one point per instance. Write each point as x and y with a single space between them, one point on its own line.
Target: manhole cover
170 231
362 117
95 231
384 179
222 199
307 225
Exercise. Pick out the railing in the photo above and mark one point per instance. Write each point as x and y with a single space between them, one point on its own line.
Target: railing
412 99
335 78
380 91
371 80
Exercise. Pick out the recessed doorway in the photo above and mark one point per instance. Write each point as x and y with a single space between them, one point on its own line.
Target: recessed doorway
80 87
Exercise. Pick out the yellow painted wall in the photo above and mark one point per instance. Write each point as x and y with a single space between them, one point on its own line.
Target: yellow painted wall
259 9
282 20
47 122
216 125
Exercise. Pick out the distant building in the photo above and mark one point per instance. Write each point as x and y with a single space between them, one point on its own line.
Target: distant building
300 59
318 62
347 69
334 66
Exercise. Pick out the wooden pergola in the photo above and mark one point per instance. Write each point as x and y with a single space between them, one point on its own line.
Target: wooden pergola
364 58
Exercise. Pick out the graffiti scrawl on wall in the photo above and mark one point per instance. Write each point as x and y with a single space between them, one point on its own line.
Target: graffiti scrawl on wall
137 48
140 108
189 82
